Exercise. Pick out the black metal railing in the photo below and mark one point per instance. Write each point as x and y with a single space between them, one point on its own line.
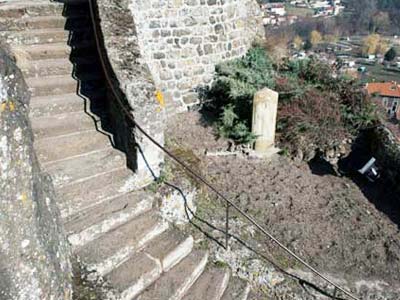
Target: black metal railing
229 204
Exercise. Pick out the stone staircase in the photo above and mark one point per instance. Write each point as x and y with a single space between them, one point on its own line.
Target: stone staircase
114 230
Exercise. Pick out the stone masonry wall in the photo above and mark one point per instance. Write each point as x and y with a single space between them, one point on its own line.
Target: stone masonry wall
159 53
182 41
34 252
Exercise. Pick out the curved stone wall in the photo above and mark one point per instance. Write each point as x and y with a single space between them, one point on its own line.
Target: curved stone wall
161 51
134 81
182 40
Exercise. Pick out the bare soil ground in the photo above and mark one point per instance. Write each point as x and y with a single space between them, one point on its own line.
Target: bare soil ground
329 221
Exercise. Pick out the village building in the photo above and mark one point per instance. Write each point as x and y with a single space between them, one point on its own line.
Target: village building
274 14
388 94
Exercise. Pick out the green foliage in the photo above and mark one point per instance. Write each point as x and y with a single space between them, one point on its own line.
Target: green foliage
230 126
315 108
233 90
308 45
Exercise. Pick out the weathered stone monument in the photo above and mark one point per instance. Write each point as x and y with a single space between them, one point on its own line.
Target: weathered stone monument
265 108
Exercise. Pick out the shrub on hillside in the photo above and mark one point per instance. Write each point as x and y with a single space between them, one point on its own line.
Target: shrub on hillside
232 92
316 110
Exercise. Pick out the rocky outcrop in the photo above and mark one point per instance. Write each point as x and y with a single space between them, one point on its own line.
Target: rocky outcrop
34 254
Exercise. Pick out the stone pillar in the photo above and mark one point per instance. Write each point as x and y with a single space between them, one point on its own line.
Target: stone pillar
265 107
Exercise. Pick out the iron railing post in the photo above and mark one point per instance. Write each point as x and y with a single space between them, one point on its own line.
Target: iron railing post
227 226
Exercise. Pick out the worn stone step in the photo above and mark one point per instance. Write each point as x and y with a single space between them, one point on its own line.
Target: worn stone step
97 189
237 289
117 246
63 147
175 283
61 124
79 168
211 285
37 36
145 267
47 67
18 9
42 51
52 85
46 106
170 248
56 104
27 23
88 225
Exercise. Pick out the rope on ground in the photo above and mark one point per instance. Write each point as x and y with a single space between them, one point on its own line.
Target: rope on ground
192 172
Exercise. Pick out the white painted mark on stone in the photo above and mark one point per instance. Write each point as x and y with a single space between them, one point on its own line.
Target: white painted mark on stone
4 157
25 243
18 135
3 91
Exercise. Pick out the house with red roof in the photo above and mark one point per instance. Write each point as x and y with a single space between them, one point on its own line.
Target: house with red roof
389 95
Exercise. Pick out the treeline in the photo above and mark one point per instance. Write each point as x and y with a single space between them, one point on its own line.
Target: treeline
359 17
373 16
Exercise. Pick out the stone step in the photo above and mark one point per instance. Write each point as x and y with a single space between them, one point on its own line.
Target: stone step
237 289
211 285
37 36
97 189
173 242
117 246
52 85
175 283
145 267
27 23
42 51
18 9
88 225
61 124
63 147
82 167
46 106
47 67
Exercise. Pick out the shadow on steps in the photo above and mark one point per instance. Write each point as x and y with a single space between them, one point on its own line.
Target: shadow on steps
100 104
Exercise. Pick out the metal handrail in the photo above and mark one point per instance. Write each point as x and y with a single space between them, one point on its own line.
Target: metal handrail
197 176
